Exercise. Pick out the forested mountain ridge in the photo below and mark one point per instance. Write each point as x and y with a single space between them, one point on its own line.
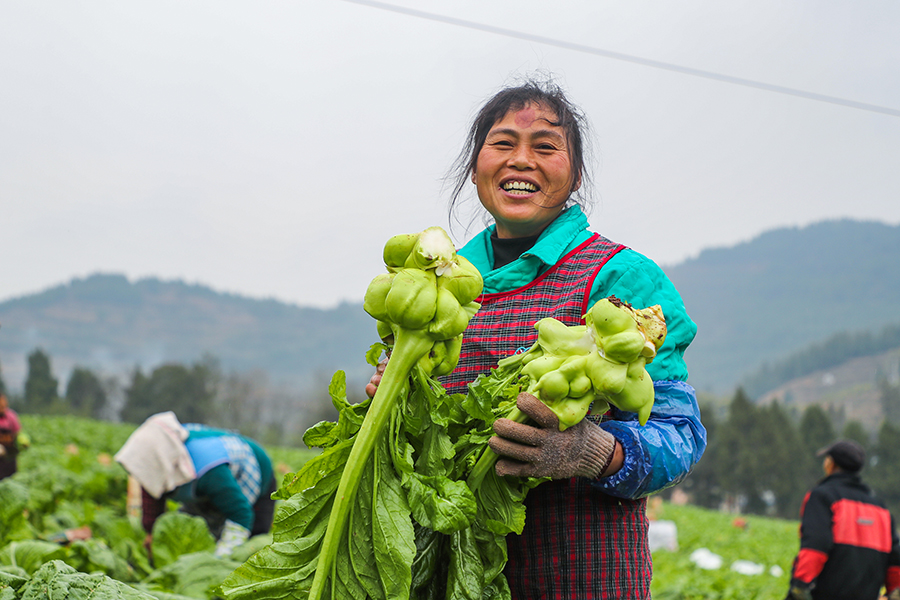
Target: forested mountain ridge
762 300
108 323
755 304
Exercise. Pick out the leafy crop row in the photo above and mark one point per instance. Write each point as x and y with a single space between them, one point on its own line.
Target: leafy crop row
67 479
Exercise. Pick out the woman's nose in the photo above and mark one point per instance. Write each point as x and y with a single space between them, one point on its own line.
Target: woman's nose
521 157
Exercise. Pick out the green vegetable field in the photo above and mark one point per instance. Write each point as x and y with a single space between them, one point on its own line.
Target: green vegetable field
769 543
67 479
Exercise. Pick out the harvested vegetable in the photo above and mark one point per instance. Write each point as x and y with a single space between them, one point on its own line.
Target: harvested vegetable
581 368
384 511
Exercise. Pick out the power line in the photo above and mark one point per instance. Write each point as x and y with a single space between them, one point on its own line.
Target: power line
628 58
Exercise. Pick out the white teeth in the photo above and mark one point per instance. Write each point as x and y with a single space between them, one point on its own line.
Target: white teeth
510 186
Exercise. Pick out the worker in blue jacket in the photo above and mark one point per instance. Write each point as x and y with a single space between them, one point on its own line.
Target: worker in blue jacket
219 475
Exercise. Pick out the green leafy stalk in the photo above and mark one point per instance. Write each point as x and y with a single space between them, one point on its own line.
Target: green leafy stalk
409 347
423 304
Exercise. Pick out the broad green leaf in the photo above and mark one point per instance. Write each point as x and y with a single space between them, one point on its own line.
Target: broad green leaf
392 531
373 355
251 547
429 570
347 585
175 534
502 505
492 547
322 466
13 500
93 555
56 579
12 578
465 579
196 574
361 546
30 554
321 435
440 503
282 570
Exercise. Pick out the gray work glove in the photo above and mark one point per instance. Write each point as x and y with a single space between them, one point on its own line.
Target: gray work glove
583 450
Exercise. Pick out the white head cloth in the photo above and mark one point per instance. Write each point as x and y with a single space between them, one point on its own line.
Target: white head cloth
156 456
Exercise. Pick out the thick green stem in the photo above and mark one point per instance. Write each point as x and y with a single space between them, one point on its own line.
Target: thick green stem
489 457
409 347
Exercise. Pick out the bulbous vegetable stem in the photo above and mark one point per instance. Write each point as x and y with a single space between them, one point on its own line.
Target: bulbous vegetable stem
409 347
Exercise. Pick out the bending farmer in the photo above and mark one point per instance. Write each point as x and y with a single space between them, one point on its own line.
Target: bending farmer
219 475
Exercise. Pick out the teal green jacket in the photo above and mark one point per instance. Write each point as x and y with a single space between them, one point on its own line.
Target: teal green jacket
661 453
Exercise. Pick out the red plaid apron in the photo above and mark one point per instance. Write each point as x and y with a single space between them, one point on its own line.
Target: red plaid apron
578 542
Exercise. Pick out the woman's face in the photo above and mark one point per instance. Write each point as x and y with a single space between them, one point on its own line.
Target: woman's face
523 171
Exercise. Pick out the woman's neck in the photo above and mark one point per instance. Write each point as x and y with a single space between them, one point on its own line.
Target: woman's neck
506 250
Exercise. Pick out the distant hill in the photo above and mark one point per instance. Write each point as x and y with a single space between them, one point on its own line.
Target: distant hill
850 388
824 356
107 322
754 303
762 300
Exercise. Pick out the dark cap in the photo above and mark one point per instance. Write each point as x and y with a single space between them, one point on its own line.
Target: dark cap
846 454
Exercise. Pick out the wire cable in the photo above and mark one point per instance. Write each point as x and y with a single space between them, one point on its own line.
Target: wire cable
768 87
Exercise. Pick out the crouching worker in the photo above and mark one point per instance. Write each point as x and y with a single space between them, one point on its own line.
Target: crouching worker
219 475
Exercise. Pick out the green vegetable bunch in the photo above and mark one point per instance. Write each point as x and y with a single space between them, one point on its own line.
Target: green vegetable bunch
581 368
385 511
425 300
601 363
403 502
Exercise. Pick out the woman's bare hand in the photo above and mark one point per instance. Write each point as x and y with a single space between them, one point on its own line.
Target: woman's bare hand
372 386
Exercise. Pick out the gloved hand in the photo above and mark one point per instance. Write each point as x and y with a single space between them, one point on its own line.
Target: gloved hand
799 591
233 535
583 450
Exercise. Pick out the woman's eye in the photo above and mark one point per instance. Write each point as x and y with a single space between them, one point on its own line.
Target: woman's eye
503 143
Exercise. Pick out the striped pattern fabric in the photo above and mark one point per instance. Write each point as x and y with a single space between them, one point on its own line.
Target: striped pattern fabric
578 542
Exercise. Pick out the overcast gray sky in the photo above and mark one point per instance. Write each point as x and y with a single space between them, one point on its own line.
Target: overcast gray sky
270 148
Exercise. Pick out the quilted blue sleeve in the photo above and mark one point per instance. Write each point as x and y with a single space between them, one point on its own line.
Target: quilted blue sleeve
661 453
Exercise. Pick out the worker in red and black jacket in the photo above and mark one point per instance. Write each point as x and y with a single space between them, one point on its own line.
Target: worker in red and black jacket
848 542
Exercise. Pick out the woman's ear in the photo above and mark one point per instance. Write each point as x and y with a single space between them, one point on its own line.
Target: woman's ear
472 177
577 184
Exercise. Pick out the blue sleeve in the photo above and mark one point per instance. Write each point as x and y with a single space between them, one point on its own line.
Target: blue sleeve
661 453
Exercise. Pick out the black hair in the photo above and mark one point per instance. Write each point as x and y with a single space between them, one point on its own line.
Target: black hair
545 94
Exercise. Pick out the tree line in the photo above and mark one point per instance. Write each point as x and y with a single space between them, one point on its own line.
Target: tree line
201 392
762 459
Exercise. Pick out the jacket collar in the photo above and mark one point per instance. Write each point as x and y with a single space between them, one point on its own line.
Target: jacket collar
549 248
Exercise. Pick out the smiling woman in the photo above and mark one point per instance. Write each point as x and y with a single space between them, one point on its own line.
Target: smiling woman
585 533
524 173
